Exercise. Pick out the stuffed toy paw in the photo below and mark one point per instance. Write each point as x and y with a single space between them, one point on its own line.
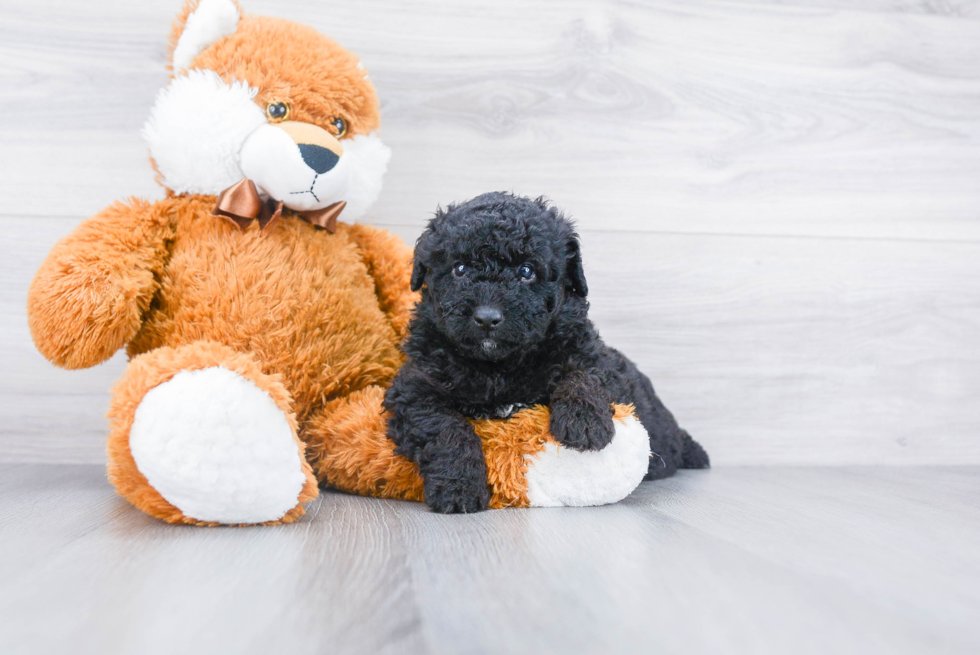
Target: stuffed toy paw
261 321
526 466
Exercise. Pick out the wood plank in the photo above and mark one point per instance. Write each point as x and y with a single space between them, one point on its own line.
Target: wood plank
953 8
140 578
740 560
830 510
783 350
754 117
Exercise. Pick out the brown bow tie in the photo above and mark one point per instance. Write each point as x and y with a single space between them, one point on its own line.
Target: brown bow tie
241 204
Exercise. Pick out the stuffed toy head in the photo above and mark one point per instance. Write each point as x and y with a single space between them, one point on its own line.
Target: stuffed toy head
269 101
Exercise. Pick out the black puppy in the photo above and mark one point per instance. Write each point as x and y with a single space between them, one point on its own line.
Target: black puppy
503 324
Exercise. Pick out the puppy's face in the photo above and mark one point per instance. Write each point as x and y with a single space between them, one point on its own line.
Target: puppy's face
497 271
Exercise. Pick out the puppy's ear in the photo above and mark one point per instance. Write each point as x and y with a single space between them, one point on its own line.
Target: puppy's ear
574 273
418 274
423 250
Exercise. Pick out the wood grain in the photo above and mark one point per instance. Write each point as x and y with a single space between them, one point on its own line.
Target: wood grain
778 199
769 350
756 117
735 560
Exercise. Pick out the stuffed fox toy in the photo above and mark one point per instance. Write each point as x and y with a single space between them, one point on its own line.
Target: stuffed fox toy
261 321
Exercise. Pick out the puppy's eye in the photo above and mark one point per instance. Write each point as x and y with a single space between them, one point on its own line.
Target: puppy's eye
340 125
526 271
277 111
459 269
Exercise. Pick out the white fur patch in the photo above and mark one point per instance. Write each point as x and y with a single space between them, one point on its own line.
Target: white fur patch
217 447
197 127
206 135
561 477
212 20
369 162
272 160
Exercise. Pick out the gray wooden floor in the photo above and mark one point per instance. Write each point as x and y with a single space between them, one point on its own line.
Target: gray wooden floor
734 560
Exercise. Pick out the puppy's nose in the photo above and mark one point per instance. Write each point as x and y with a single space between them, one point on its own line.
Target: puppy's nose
488 317
318 158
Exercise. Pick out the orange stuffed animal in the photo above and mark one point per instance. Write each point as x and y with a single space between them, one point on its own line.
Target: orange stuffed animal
262 332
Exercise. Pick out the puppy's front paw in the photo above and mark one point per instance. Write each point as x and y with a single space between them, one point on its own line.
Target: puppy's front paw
456 496
582 426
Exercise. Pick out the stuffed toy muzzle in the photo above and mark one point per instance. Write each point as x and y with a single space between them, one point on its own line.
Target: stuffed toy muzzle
279 158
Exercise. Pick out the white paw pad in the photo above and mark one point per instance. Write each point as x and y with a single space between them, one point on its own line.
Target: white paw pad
217 447
562 477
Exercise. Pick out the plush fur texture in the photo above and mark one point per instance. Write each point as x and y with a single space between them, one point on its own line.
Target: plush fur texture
368 157
209 128
155 369
218 448
503 323
291 325
289 62
196 130
564 476
210 20
525 466
311 318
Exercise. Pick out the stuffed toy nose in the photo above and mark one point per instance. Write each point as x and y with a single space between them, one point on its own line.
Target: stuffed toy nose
317 157
321 150
302 165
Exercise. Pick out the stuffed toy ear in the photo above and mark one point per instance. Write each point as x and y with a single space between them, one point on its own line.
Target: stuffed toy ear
418 274
199 24
574 273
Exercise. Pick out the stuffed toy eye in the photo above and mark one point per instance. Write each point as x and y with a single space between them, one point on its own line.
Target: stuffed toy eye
526 271
459 269
341 126
277 111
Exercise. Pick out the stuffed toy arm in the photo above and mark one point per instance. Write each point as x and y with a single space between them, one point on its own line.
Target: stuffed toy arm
389 262
88 298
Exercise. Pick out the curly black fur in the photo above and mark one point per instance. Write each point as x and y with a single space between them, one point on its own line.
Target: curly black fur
503 324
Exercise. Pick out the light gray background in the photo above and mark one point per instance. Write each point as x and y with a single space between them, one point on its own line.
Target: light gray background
779 201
